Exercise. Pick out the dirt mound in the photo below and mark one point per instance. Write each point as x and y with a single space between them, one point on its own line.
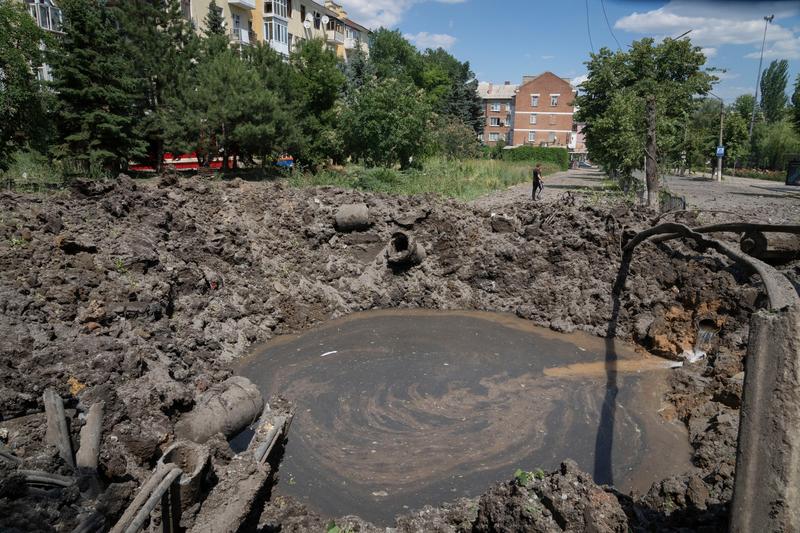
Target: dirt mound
140 296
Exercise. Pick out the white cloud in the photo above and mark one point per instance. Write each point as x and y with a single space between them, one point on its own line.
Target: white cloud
386 13
548 57
431 40
715 24
579 79
709 51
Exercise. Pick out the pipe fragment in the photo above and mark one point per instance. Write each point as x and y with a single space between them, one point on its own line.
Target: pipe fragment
86 457
57 431
225 408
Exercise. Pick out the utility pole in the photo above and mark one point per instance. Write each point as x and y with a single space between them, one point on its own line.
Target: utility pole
721 130
758 78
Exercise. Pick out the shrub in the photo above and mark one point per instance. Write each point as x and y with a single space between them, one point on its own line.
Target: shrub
538 154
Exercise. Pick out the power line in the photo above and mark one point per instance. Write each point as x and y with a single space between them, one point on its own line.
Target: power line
603 5
588 26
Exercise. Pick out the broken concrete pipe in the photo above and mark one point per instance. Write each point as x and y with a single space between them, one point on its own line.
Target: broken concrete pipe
404 251
194 460
225 408
352 217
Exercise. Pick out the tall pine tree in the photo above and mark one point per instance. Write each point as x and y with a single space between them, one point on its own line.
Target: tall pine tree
164 48
97 89
796 104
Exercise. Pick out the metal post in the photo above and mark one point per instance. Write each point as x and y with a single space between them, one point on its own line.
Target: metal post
758 78
721 129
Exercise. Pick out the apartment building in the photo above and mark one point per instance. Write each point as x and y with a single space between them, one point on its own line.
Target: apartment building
498 110
284 23
541 113
48 17
544 111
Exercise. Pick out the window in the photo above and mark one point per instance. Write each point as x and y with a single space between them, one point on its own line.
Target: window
317 20
186 9
46 14
276 7
494 121
237 21
495 107
531 136
302 12
275 30
553 100
480 137
534 100
289 8
533 119
551 137
494 137
508 107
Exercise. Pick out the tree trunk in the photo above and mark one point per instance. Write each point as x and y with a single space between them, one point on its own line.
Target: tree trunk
650 171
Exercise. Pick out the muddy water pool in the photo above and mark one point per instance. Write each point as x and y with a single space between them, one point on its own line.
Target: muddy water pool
398 409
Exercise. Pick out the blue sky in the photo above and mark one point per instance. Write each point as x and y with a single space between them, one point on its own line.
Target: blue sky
504 40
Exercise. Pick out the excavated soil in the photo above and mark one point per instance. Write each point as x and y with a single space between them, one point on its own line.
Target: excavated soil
141 295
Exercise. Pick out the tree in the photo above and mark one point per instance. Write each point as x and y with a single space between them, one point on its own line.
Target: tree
22 102
774 143
164 47
225 110
773 90
319 85
661 81
385 124
394 57
214 22
796 104
97 89
453 139
743 105
452 88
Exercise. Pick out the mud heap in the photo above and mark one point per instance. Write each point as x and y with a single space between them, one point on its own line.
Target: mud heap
140 295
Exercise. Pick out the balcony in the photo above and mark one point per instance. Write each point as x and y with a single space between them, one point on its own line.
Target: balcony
243 4
350 43
243 36
334 36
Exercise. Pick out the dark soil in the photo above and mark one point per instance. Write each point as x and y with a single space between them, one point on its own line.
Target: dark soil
141 295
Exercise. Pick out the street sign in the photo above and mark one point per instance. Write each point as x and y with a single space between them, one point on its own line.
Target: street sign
720 151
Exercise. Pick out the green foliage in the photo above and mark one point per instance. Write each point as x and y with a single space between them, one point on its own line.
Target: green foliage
385 124
214 22
30 171
23 104
464 179
796 104
394 57
163 47
775 144
773 90
743 105
97 88
611 103
522 477
454 139
538 154
319 83
224 110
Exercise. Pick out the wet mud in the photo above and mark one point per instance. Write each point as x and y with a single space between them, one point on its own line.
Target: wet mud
398 409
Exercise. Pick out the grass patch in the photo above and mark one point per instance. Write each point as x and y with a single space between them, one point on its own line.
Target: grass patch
465 180
31 172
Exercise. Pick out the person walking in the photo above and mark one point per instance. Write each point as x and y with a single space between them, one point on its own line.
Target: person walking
538 184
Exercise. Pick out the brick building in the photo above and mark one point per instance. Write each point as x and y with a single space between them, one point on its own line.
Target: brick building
538 112
498 109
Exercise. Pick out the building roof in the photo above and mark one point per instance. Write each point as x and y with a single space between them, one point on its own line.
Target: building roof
488 90
531 77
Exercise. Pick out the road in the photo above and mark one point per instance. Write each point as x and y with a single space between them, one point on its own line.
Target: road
732 199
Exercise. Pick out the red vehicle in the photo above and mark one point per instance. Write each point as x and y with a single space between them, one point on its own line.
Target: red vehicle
179 162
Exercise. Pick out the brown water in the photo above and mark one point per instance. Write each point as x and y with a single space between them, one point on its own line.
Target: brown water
398 409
